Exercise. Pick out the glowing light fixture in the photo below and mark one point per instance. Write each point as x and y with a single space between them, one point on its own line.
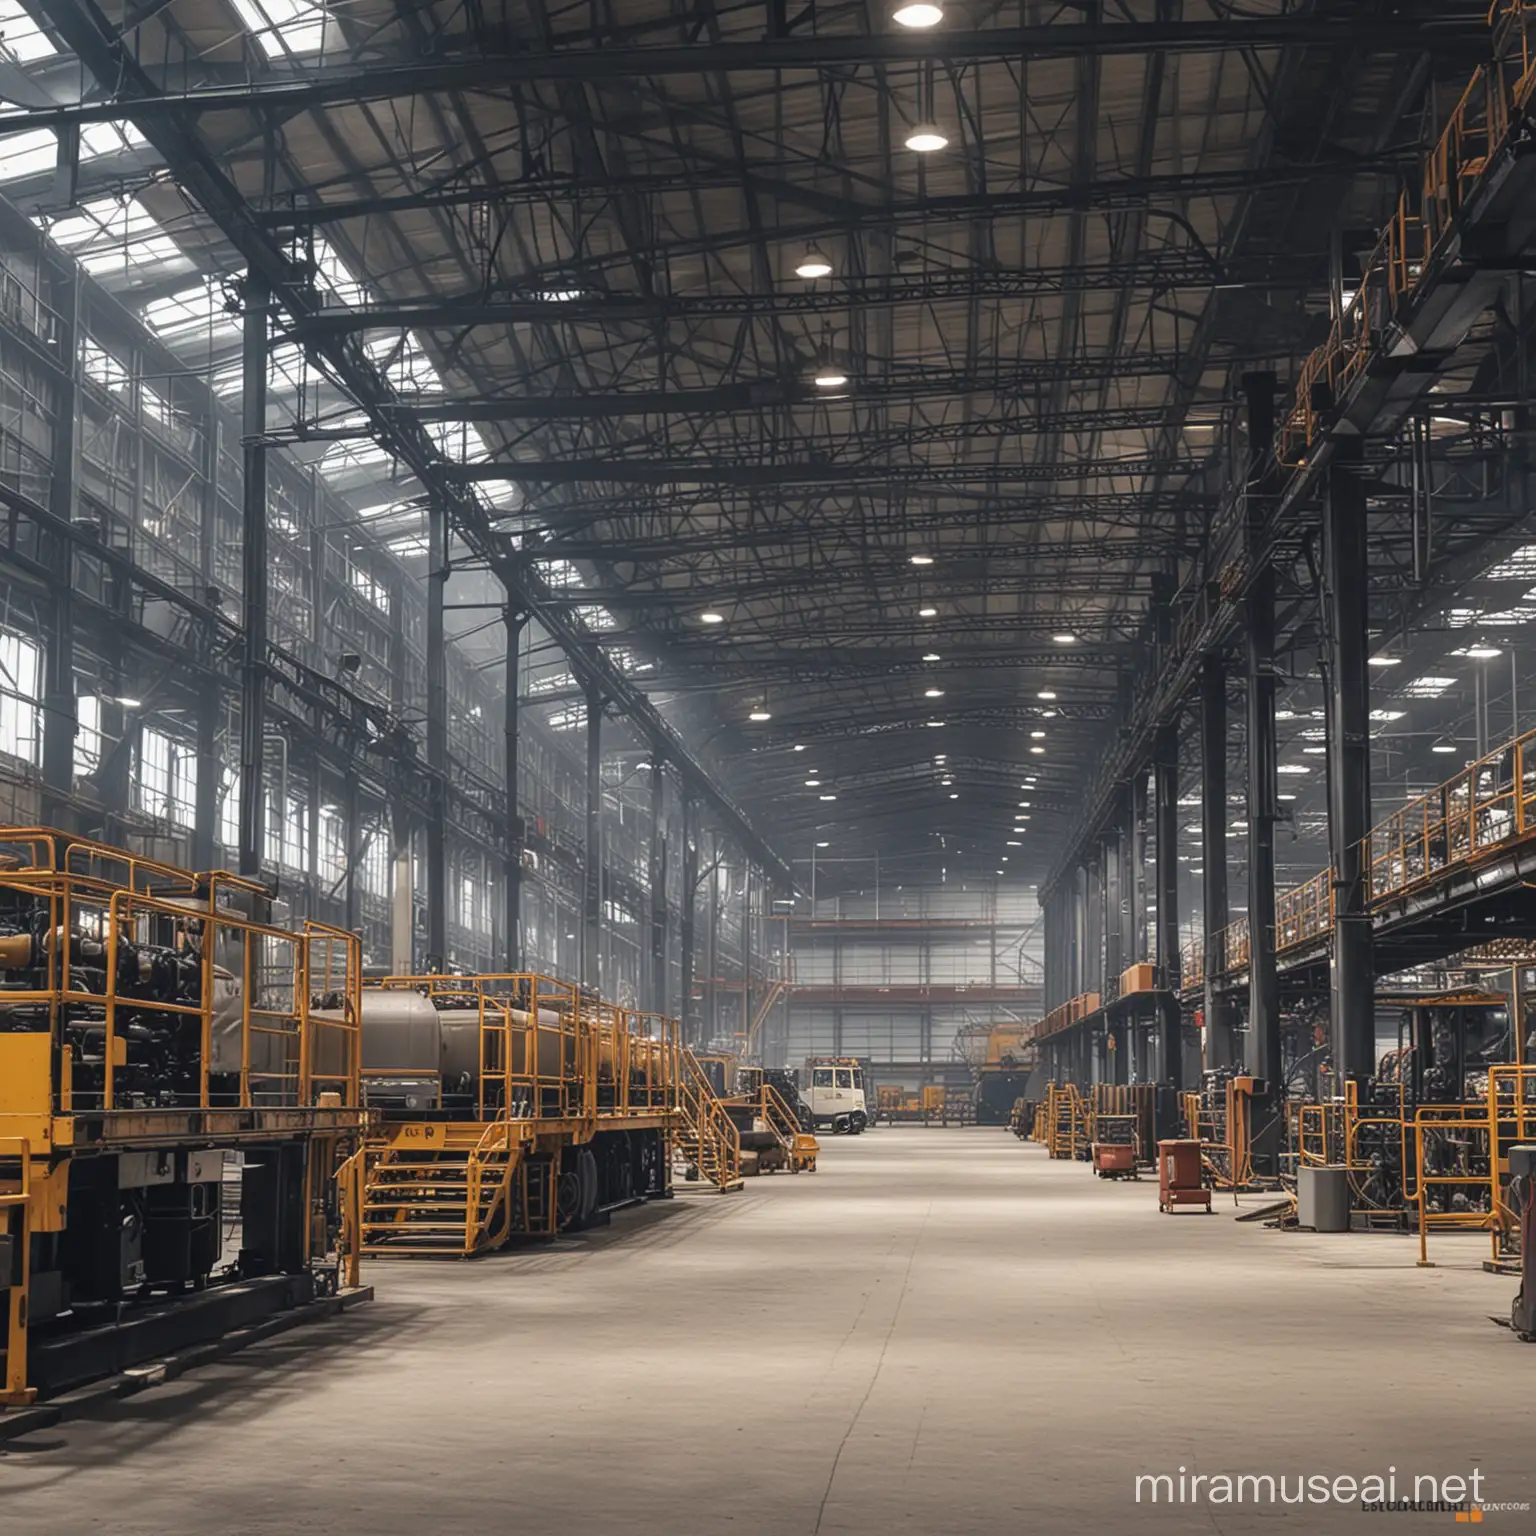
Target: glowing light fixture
1045 693
813 264
933 693
918 14
1443 745
927 139
1064 638
709 616
1038 751
932 656
920 559
927 613
760 714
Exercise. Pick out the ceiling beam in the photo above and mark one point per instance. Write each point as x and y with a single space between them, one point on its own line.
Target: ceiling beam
477 61
831 472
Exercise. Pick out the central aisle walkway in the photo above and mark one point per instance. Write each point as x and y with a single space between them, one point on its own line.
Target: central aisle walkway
939 1331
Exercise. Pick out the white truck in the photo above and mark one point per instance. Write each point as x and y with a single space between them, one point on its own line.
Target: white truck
834 1094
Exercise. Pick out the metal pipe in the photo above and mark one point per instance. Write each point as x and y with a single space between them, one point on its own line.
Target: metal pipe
514 619
591 964
1166 788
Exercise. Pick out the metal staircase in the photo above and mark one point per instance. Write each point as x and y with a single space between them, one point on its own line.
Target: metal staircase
799 1146
771 999
708 1144
454 1196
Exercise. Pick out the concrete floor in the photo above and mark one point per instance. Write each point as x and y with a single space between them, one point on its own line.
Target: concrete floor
939 1331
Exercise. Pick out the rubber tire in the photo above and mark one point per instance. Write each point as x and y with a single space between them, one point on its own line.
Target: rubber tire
586 1172
858 1123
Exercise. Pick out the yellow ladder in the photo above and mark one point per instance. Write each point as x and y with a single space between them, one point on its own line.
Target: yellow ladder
708 1143
448 1201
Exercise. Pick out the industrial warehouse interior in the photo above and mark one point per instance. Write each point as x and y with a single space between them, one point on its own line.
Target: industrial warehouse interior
767 768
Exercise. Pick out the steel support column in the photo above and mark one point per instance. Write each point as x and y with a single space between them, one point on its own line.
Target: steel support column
1093 968
687 921
1166 795
253 669
591 968
1263 1043
437 734
1113 909
60 709
1142 946
514 618
656 990
1220 1044
1346 599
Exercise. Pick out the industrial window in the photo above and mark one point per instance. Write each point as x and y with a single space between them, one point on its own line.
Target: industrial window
407 367
471 904
333 846
88 738
284 27
568 718
229 808
22 40
165 784
287 831
373 867
369 586
101 367
1427 687
21 673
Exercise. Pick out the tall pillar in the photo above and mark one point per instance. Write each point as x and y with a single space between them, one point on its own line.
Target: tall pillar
1140 937
60 708
656 993
402 910
513 833
253 666
592 849
1166 793
1346 596
1093 968
437 735
1263 982
1113 917
687 921
1220 1045
1263 1042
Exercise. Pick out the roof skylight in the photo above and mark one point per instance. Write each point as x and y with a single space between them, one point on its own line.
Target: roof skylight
285 27
196 313
116 237
22 40
1427 687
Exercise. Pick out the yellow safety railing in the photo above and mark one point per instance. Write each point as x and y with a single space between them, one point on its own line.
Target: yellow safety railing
1480 124
15 1207
712 1140
1512 1123
1486 809
252 1033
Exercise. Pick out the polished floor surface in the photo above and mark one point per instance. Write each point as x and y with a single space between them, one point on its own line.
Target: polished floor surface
939 1331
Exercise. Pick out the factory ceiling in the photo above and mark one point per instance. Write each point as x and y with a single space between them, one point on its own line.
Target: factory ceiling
854 388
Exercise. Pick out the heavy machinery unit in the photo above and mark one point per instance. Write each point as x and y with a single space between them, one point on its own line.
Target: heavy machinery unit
515 1104
165 1054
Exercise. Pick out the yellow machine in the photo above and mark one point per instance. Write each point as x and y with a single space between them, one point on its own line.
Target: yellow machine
1003 1072
511 1104
162 1050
